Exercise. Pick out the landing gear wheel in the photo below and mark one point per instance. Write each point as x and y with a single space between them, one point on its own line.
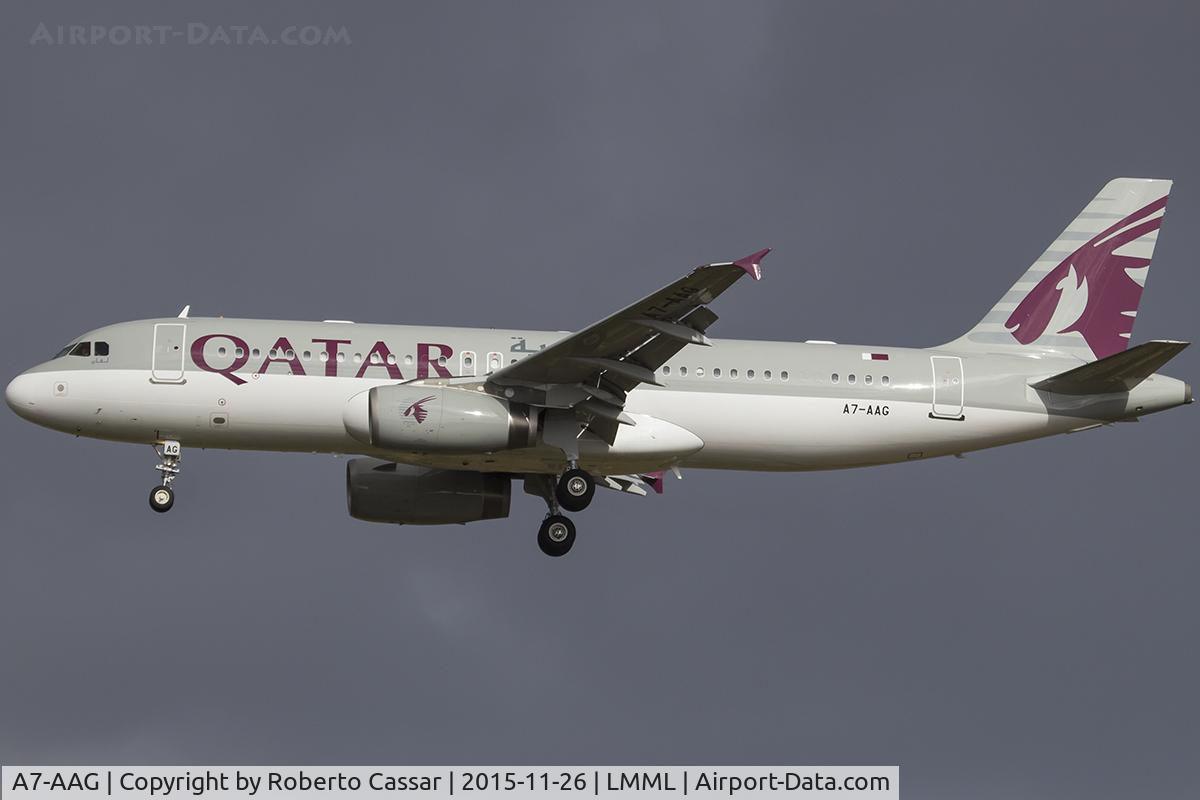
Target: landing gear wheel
575 490
556 535
162 498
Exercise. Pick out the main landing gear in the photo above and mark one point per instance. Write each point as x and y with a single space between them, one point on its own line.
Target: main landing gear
162 497
573 491
556 535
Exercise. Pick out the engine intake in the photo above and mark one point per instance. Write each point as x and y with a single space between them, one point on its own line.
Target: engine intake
438 419
380 491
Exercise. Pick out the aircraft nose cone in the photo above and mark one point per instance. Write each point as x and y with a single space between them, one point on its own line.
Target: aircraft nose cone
20 396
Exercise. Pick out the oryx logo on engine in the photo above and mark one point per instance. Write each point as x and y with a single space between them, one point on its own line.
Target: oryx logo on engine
417 410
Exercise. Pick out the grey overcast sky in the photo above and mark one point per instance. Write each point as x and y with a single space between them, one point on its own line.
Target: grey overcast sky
1021 623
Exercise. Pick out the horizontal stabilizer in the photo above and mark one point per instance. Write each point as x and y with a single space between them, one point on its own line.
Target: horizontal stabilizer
1119 372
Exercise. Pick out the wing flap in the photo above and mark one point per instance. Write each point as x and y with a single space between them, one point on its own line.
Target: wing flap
627 368
673 330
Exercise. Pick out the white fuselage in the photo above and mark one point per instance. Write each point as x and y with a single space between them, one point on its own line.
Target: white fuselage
286 386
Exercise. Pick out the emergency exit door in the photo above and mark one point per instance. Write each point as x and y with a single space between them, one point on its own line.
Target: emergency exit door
947 387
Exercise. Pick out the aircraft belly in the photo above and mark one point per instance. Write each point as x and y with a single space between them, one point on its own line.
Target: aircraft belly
271 412
718 430
779 432
278 412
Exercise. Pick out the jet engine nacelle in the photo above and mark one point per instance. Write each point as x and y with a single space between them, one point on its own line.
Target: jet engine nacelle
380 491
437 419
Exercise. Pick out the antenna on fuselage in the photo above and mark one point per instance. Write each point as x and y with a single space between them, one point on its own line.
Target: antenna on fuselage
184 314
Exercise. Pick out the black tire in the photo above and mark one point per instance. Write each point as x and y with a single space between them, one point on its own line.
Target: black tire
575 490
556 535
162 498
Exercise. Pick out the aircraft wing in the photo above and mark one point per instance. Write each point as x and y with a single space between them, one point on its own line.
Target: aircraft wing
592 370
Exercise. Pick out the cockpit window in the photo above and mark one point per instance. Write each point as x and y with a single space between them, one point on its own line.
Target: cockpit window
84 349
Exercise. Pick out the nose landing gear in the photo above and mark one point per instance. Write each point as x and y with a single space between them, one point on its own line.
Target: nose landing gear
163 497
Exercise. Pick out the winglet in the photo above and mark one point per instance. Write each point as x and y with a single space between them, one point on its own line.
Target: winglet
654 480
750 263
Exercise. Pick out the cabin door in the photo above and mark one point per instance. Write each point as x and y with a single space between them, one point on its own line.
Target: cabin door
947 387
167 366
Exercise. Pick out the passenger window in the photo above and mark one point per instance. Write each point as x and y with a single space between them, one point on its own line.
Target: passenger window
766 374
886 380
82 349
102 348
683 371
867 380
733 374
749 374
716 372
699 372
783 376
834 378
850 379
667 369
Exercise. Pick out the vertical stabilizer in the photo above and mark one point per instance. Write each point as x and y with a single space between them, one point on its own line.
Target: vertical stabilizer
1081 296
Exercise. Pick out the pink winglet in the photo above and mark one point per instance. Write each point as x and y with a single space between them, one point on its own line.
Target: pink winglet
750 263
654 480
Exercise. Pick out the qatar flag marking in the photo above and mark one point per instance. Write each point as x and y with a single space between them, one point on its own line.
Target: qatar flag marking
875 356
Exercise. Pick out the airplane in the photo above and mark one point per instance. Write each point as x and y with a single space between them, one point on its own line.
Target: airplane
444 419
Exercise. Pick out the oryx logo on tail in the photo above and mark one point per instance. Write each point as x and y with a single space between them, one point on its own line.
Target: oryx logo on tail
1091 289
417 410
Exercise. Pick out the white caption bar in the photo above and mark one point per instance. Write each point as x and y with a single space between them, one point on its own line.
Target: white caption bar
435 783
